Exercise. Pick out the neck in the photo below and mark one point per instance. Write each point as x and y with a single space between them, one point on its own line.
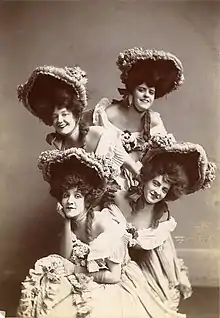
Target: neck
143 217
72 140
80 220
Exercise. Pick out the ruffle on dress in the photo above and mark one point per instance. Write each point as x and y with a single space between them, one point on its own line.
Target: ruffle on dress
151 238
49 283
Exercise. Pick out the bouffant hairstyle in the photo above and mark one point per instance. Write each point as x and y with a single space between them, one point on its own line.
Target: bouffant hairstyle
87 183
154 74
172 167
49 92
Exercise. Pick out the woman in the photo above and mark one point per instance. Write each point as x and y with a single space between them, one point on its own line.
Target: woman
96 278
170 170
147 75
57 96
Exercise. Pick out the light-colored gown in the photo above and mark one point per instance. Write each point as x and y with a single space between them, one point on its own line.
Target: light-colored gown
55 288
100 118
155 253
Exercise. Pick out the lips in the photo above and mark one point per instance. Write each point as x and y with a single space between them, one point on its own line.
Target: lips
154 195
71 208
61 126
145 100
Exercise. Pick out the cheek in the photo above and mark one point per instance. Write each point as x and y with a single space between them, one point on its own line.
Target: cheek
63 202
71 120
54 121
137 95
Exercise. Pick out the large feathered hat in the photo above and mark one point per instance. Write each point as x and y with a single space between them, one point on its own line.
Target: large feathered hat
164 69
74 77
192 156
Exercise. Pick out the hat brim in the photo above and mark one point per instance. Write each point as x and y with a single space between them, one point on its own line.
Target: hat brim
55 163
74 77
168 68
191 156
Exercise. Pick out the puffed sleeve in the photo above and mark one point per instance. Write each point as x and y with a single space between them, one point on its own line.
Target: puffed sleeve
111 244
151 238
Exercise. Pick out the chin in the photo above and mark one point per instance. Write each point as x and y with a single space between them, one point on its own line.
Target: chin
151 201
143 108
70 215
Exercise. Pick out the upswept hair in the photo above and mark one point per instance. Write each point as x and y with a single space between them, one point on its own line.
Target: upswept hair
49 92
148 72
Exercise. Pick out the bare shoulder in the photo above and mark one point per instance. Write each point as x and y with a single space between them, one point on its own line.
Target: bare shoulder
155 118
113 111
102 220
96 131
93 136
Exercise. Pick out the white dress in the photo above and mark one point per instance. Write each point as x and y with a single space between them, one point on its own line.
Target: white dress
53 287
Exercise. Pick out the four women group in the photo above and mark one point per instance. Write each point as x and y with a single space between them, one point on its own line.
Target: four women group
113 171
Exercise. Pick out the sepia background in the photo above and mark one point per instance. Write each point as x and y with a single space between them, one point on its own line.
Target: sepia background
91 34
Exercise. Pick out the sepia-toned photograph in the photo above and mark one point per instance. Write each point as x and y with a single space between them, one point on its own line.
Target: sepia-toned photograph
109 156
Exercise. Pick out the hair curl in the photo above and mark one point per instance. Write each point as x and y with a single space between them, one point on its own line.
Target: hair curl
88 185
49 92
176 173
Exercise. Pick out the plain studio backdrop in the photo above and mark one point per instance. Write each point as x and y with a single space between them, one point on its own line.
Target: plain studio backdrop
91 34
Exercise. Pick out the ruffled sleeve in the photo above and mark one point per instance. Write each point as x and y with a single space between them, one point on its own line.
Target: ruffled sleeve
100 117
151 238
110 146
110 244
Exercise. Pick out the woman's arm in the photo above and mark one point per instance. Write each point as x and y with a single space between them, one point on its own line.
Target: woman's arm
66 241
157 124
131 165
111 276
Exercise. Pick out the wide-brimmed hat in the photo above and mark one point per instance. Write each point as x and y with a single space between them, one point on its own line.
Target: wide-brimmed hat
166 68
75 160
192 156
75 77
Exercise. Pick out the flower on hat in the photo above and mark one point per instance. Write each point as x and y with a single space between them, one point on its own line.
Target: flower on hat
127 59
162 141
210 175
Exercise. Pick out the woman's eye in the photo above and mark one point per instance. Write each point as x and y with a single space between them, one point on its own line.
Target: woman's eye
78 195
165 190
152 92
156 183
141 89
65 195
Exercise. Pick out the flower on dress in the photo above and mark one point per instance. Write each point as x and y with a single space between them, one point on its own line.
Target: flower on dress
129 141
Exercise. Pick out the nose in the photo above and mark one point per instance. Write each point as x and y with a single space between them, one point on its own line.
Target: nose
147 93
157 193
71 199
59 118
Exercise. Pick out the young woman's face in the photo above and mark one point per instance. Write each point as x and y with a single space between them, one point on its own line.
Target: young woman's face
73 203
64 121
156 189
143 97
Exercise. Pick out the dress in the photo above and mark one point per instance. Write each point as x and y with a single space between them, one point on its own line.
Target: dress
56 288
100 118
154 251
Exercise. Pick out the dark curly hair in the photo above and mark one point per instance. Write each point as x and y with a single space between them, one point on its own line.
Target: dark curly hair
49 92
154 74
87 183
176 173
